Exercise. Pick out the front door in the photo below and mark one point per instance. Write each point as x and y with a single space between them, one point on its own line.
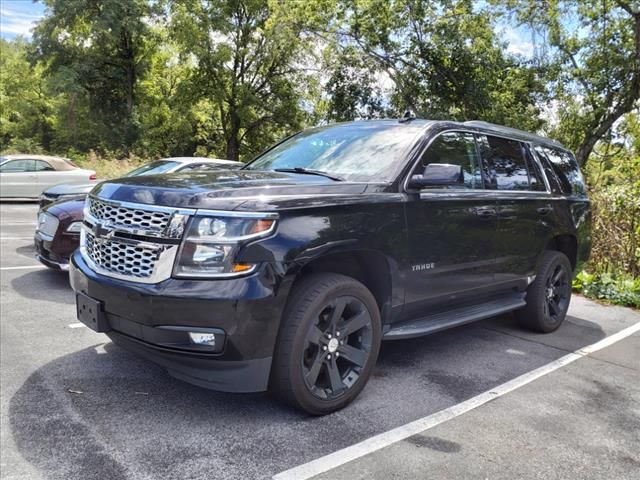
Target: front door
17 179
452 233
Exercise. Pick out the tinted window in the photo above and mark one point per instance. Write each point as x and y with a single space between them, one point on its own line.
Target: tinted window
41 166
536 179
456 148
504 164
359 151
566 168
17 166
153 168
552 178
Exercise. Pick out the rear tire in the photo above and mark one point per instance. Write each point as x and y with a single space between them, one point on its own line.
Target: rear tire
328 343
549 295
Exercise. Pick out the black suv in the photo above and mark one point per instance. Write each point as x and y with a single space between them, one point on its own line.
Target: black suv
288 273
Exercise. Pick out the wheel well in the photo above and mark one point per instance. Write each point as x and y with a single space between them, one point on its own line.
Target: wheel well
567 244
368 267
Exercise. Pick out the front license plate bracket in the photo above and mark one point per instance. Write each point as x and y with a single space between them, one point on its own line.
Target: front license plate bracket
90 312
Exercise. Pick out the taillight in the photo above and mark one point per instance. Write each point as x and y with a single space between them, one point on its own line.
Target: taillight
92 176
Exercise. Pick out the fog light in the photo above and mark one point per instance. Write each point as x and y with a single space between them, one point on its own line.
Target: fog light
208 339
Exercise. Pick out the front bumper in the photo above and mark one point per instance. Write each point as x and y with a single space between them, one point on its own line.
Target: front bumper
142 318
54 252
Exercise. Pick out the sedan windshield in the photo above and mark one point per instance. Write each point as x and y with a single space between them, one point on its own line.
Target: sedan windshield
356 151
153 168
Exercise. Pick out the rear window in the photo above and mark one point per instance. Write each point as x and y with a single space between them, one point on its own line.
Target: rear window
566 168
69 162
504 163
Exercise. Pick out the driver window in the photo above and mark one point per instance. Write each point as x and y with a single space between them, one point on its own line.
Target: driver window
15 166
455 148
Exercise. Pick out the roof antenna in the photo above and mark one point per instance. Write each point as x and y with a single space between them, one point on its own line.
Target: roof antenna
407 117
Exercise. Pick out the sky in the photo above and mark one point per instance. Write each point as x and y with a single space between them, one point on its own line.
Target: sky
17 17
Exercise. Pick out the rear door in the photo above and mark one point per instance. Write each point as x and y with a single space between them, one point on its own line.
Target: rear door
18 179
452 232
47 176
526 217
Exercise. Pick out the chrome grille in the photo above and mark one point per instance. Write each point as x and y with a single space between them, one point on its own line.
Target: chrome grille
138 217
132 241
137 261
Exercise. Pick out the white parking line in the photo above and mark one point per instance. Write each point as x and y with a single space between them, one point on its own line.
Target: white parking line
77 325
16 238
22 268
370 445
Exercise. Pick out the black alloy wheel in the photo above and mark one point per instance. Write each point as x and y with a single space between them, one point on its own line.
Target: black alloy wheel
328 343
549 294
557 294
338 345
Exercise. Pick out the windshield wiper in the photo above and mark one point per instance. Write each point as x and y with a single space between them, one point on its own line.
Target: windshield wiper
309 172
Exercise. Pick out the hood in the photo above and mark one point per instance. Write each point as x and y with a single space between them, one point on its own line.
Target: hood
66 210
223 189
70 189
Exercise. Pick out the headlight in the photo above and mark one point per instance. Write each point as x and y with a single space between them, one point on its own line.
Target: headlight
75 227
211 243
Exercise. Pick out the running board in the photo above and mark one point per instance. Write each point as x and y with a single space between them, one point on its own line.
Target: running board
453 318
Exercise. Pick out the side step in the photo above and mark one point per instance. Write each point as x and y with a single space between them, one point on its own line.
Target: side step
453 318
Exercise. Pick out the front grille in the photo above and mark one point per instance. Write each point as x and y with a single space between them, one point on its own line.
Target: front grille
130 217
47 224
123 259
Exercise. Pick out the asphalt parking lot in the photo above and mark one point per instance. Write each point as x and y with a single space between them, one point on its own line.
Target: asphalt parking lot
74 406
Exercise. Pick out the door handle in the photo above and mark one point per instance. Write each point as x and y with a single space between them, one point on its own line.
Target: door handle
544 210
486 212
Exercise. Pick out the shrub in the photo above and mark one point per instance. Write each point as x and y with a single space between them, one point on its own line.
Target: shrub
621 290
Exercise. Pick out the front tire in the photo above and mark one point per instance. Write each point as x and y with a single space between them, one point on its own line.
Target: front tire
328 343
549 295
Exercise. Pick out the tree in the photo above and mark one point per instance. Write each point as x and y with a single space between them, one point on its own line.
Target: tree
595 55
353 88
443 58
248 71
98 49
27 103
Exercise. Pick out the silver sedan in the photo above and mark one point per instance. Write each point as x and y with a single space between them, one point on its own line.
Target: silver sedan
26 176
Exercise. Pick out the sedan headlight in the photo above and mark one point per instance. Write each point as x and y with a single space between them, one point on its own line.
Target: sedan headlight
211 243
75 227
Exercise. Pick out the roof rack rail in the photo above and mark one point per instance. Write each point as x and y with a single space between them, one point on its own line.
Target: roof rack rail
514 131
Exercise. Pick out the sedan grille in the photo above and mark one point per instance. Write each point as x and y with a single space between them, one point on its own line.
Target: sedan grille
130 217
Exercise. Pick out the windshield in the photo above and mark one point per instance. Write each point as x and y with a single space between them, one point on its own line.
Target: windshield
355 151
153 168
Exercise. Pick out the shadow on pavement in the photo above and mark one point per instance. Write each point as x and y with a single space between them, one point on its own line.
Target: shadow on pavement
28 251
45 284
131 420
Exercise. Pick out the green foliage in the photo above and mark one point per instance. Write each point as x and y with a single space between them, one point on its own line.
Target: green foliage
27 116
614 178
352 87
445 60
621 290
246 71
593 62
96 52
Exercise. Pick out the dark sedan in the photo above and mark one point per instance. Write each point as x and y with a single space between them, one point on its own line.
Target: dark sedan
58 232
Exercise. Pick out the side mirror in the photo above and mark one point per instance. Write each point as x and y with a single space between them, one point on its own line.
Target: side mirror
438 175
